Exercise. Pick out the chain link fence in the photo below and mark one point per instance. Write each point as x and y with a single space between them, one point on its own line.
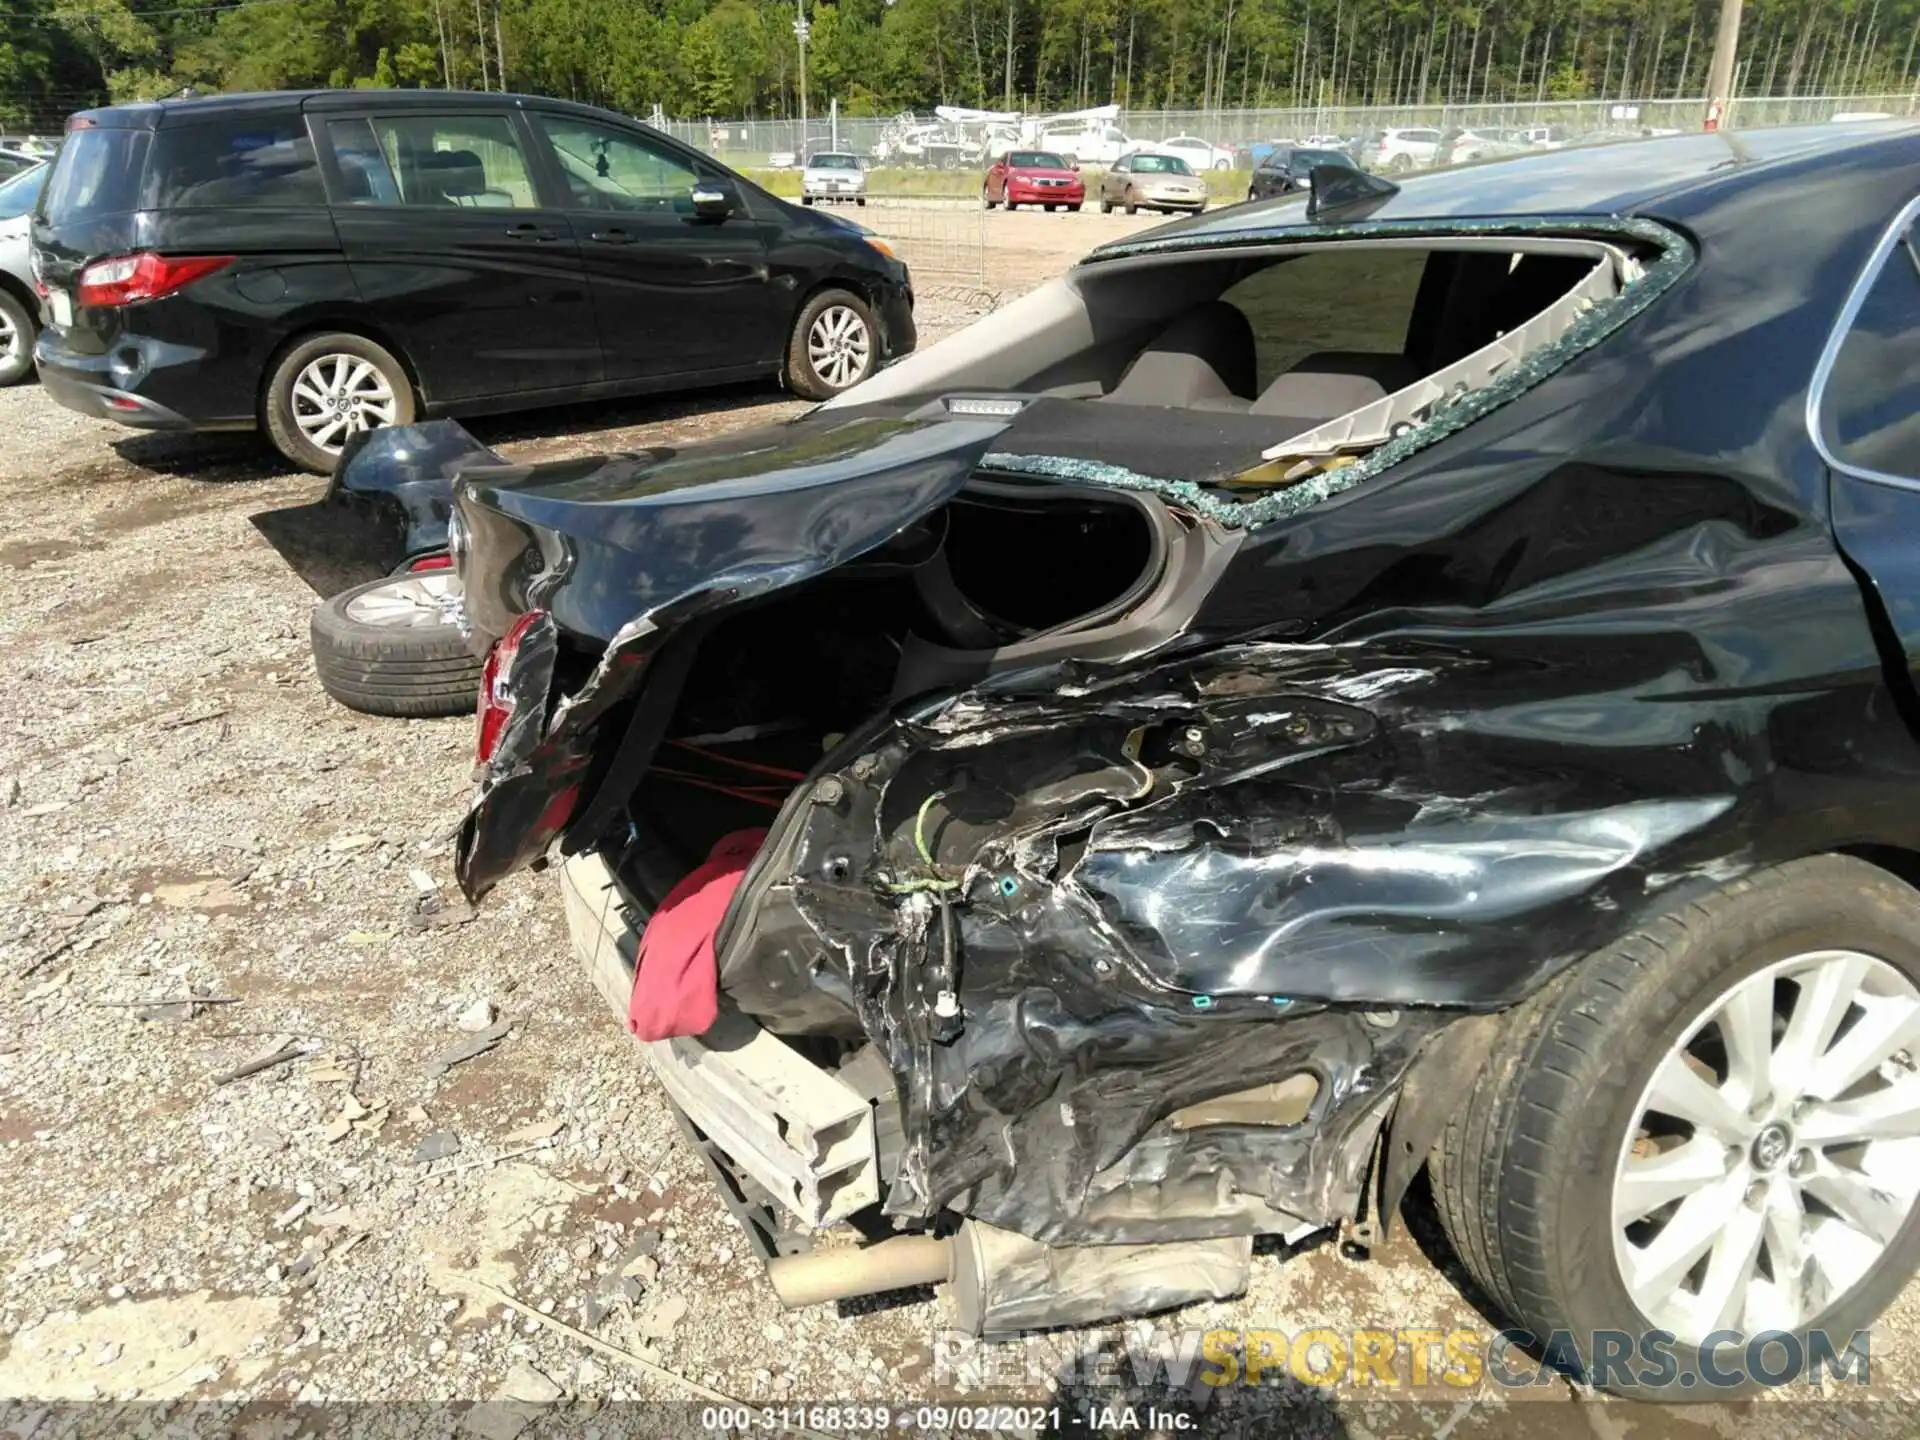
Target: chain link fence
922 142
943 239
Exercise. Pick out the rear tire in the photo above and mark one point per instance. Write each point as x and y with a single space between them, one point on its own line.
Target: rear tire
835 345
1133 206
379 649
1106 206
1072 209
987 202
1529 1174
806 200
320 382
18 331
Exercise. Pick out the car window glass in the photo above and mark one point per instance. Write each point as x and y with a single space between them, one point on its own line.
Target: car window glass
1870 406
243 161
466 162
366 176
17 196
608 169
1342 299
96 173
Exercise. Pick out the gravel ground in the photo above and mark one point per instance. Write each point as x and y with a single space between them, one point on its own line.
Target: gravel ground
207 862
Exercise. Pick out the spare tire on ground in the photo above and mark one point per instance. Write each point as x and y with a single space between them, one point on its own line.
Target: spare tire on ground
389 648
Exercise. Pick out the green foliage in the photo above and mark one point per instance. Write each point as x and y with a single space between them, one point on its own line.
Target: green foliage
740 58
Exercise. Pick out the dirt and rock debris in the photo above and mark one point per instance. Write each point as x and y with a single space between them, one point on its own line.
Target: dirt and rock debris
269 1135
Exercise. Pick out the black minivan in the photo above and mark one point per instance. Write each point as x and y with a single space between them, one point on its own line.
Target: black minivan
319 263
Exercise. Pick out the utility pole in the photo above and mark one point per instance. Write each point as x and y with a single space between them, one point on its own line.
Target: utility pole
1006 102
800 34
1720 72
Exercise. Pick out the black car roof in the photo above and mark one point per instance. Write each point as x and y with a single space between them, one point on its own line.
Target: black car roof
155 114
1667 177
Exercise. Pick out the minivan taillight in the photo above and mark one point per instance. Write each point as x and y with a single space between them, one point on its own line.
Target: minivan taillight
129 279
496 698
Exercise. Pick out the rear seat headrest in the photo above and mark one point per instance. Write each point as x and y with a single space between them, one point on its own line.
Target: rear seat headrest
1205 354
1329 383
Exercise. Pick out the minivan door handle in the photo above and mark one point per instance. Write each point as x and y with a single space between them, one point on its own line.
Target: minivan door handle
613 236
527 230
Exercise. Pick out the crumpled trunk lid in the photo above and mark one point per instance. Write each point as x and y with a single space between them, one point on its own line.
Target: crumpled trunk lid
623 553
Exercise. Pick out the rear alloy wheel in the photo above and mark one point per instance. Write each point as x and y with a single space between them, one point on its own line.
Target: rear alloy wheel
17 332
835 345
389 647
329 388
1710 1126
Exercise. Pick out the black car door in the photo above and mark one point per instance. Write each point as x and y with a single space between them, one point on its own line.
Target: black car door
452 251
1271 178
676 291
1866 421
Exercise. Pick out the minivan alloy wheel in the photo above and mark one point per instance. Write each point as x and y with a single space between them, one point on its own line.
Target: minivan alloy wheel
838 344
1775 1151
337 395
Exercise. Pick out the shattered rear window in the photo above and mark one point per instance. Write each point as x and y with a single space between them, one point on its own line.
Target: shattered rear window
1358 299
1649 258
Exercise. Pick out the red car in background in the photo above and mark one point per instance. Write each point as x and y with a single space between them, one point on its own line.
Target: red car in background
1032 177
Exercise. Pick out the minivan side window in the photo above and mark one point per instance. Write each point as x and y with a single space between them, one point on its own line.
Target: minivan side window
1870 405
608 169
466 162
245 161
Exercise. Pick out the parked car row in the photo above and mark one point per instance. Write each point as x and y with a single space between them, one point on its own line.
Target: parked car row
19 306
316 264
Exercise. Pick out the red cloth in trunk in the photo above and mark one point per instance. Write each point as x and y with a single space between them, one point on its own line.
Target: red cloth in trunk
676 981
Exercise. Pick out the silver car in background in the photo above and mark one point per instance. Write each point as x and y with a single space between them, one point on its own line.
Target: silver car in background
1151 181
833 175
19 304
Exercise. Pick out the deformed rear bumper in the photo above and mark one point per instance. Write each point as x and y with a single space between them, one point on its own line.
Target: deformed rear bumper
801 1133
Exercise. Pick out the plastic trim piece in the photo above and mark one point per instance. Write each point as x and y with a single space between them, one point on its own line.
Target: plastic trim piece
1376 423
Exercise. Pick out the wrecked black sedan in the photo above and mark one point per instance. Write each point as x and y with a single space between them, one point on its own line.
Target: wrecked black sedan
1391 678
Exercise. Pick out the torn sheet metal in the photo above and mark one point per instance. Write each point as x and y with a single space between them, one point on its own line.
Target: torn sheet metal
1152 887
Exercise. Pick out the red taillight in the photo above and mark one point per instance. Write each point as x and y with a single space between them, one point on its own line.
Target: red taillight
496 699
128 279
440 560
